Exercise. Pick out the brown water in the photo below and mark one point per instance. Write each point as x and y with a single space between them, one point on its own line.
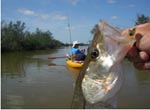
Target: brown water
30 80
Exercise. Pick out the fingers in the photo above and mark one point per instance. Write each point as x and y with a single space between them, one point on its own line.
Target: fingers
145 61
143 56
138 36
134 55
143 66
140 59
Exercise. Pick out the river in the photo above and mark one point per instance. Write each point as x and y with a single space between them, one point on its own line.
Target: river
31 80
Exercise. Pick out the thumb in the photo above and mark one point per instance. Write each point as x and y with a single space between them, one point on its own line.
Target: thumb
138 37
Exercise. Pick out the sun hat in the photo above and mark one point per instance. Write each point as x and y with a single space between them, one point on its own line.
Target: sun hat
74 43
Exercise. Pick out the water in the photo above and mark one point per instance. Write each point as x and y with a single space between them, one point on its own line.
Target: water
29 81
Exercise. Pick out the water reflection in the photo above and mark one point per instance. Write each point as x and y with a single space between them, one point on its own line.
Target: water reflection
74 71
134 92
28 82
15 64
14 101
143 76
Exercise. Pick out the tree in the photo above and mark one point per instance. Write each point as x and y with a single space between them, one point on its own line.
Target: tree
14 37
141 19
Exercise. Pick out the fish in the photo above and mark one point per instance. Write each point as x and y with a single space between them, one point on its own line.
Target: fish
101 76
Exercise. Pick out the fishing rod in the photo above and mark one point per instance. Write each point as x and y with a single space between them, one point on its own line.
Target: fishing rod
69 30
70 35
70 42
68 20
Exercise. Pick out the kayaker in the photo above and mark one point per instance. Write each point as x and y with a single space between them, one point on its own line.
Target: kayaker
76 53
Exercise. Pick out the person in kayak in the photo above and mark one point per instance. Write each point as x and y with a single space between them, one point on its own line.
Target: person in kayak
76 53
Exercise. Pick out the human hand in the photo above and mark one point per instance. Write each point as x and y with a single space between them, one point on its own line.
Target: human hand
139 54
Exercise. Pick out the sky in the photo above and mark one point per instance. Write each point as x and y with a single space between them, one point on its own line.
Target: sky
82 15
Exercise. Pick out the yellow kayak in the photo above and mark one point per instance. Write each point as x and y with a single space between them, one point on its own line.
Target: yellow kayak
74 64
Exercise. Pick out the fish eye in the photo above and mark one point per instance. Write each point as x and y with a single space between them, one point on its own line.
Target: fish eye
94 53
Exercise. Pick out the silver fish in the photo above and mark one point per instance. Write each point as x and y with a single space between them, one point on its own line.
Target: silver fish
101 75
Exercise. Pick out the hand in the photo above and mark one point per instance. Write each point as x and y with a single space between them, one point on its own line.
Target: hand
139 54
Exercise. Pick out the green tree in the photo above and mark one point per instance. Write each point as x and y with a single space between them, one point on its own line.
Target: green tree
141 19
14 37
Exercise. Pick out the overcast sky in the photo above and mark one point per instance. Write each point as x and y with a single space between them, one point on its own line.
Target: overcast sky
53 15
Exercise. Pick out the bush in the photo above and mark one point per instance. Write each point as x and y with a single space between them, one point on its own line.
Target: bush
14 37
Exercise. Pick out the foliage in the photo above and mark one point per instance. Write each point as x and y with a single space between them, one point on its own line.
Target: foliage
14 37
141 19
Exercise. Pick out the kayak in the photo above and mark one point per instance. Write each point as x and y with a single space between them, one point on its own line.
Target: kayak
74 64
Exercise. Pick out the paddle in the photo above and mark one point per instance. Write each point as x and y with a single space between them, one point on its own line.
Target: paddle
56 57
53 64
